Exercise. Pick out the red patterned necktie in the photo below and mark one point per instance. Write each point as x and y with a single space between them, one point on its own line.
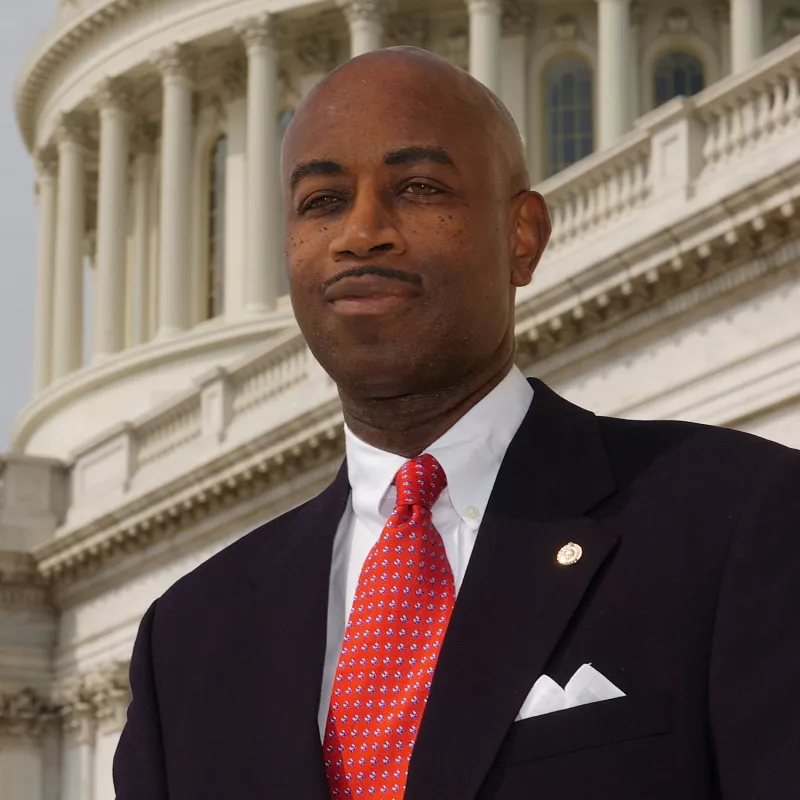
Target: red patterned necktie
402 605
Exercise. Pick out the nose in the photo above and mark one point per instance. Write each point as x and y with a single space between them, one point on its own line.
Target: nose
368 228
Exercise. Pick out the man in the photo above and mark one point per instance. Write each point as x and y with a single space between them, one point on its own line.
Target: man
401 634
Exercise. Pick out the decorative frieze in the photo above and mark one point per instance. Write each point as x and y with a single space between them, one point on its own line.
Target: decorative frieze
25 714
567 29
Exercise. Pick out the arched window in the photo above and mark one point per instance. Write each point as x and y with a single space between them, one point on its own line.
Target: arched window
216 228
569 112
677 74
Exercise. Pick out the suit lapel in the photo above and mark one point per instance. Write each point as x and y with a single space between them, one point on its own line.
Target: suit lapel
286 632
516 601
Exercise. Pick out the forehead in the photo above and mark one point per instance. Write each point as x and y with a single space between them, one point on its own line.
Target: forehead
360 121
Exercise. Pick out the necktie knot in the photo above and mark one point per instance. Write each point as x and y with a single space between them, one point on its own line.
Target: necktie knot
420 481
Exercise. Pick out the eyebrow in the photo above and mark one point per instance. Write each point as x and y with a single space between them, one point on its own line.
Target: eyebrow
416 154
312 169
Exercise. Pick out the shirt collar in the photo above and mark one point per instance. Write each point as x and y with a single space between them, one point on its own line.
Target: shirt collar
470 453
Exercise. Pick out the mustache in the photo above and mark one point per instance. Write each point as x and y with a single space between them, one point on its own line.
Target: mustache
381 272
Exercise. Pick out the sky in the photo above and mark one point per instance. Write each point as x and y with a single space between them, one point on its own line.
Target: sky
20 26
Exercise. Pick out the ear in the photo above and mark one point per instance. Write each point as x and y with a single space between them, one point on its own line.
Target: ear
529 237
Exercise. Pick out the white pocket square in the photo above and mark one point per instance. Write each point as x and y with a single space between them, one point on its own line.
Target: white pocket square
587 685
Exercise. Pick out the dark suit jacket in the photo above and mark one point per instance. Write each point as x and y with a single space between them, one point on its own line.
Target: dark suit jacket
687 597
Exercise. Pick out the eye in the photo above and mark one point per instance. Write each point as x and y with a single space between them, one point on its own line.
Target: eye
320 201
421 189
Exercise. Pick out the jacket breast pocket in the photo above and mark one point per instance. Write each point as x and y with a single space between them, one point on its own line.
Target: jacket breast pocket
594 725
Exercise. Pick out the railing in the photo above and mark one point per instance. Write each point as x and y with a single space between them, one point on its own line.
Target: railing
200 423
165 432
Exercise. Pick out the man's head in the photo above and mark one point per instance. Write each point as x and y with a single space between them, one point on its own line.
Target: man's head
409 225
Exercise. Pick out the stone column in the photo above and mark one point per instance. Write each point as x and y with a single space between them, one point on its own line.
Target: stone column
143 164
176 65
747 33
365 18
613 63
69 249
46 164
109 297
485 19
264 225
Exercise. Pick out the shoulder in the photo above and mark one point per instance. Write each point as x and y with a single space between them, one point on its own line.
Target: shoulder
226 574
691 453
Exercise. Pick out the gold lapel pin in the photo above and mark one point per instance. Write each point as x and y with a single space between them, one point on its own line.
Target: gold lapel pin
569 554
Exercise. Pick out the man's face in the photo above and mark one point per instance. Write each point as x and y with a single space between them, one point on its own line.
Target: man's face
397 237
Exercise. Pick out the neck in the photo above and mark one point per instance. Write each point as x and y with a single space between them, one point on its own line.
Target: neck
408 424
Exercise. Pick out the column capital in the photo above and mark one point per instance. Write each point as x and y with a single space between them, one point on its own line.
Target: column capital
71 130
46 161
114 94
263 30
25 714
176 61
317 52
362 10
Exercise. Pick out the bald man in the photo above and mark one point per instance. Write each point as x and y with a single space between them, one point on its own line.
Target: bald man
500 596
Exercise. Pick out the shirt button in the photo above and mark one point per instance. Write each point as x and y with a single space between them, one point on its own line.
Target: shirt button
471 512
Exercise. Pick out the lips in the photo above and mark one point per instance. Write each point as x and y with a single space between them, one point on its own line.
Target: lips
369 295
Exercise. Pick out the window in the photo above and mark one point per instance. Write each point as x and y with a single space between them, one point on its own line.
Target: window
677 74
569 112
216 228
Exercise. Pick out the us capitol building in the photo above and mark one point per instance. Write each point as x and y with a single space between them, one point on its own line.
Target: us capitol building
665 137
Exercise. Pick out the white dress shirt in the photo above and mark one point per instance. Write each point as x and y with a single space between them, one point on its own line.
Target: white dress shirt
470 454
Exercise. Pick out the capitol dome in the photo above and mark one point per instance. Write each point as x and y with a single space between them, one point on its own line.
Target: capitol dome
663 135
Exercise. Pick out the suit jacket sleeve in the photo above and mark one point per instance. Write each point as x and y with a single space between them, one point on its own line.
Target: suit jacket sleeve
139 770
754 686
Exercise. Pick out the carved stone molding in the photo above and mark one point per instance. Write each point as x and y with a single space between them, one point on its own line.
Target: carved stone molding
567 29
114 94
25 714
317 52
176 61
677 20
109 690
363 10
408 29
515 18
